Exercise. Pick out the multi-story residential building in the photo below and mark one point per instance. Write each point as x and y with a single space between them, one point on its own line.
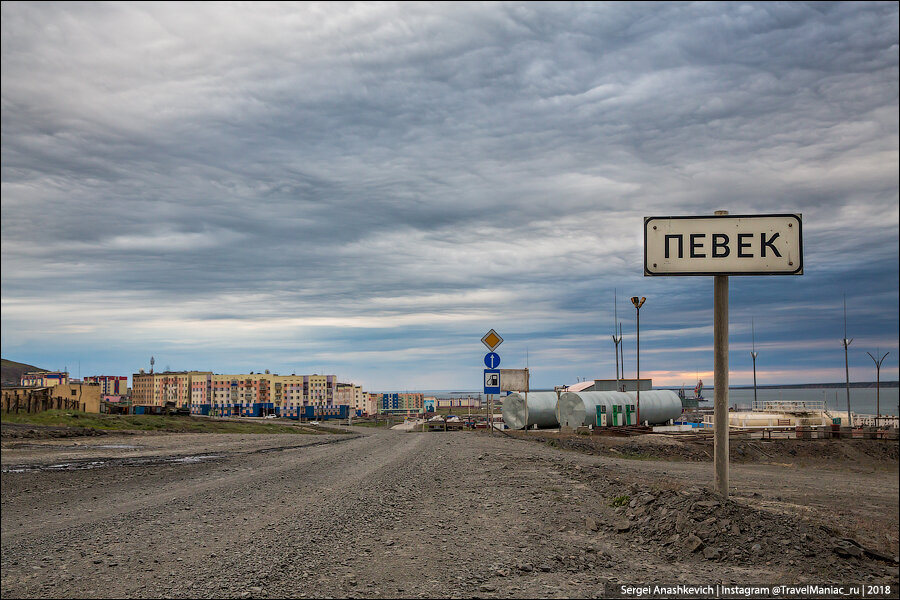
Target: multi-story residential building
45 378
343 394
321 390
253 394
361 402
399 403
256 394
157 389
201 394
110 385
241 395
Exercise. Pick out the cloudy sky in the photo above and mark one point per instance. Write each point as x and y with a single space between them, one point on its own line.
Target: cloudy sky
366 189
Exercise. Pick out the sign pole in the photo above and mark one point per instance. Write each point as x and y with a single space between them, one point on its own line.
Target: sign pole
720 246
720 381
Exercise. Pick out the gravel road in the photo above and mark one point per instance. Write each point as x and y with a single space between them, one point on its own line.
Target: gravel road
385 514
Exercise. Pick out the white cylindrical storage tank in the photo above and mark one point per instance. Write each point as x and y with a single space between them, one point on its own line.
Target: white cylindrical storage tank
575 409
541 410
657 406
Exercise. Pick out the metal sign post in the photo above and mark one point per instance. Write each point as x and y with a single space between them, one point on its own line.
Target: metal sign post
491 340
720 381
721 246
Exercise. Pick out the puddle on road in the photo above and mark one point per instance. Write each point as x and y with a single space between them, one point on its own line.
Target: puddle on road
115 462
195 459
116 446
77 446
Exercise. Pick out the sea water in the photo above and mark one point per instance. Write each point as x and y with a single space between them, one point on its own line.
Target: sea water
862 400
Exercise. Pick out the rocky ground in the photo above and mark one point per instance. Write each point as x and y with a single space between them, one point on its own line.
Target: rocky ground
388 514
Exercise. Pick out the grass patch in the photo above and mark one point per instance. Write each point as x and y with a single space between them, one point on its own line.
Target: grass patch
620 501
172 424
636 456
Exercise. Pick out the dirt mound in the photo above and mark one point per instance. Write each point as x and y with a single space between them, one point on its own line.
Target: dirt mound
655 447
697 522
12 431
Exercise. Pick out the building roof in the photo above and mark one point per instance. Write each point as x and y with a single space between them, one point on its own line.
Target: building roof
580 387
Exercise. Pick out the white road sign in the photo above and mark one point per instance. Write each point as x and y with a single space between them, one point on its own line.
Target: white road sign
723 245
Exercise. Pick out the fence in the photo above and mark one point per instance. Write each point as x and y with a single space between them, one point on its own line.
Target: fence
34 404
790 406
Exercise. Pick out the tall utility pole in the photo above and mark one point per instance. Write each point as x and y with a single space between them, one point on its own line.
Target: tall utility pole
846 343
616 339
638 303
622 352
753 354
878 362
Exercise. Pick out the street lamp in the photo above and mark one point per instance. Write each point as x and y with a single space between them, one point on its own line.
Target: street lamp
846 343
617 339
878 362
753 353
638 303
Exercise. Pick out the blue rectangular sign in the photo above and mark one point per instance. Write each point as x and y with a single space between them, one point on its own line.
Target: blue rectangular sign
492 381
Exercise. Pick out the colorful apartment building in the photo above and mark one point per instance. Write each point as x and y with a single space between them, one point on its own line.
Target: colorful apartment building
250 394
158 389
110 385
45 378
258 394
399 403
240 395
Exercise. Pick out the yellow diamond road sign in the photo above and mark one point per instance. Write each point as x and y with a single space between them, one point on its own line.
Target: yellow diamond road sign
491 339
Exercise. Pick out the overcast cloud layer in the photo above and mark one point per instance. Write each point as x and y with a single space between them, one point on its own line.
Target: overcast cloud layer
366 189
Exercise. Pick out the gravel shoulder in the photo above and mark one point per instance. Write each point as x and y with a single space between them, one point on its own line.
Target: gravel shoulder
388 514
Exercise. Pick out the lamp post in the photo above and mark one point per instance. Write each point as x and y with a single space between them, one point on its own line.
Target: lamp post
878 362
846 343
638 303
616 339
753 353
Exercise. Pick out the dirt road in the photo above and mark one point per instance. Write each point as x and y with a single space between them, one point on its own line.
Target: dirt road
386 514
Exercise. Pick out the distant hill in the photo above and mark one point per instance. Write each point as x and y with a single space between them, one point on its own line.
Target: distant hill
11 373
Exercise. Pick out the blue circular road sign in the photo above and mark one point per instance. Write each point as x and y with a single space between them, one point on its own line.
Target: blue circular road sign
491 360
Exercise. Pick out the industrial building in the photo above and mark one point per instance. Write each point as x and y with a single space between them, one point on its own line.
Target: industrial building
464 402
